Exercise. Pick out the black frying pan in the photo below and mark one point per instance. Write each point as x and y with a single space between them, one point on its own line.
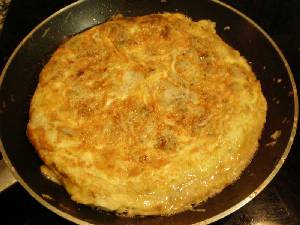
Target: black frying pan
20 77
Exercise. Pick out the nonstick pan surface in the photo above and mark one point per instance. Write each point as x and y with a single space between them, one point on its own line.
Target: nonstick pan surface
20 77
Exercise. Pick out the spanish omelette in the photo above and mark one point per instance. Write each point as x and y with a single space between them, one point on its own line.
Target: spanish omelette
146 115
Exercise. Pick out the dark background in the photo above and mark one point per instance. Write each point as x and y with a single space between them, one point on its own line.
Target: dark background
278 204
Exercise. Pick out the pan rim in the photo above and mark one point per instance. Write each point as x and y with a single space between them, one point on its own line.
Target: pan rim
208 220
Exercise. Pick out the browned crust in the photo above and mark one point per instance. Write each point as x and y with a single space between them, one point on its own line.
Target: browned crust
125 111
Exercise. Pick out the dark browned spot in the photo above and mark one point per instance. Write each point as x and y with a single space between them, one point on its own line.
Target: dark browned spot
165 32
167 142
79 73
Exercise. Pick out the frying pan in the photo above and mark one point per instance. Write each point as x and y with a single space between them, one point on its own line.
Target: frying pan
20 77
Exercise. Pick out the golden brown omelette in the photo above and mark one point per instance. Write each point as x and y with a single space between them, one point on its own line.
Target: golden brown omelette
146 115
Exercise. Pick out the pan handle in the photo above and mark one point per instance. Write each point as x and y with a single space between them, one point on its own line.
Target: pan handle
6 178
